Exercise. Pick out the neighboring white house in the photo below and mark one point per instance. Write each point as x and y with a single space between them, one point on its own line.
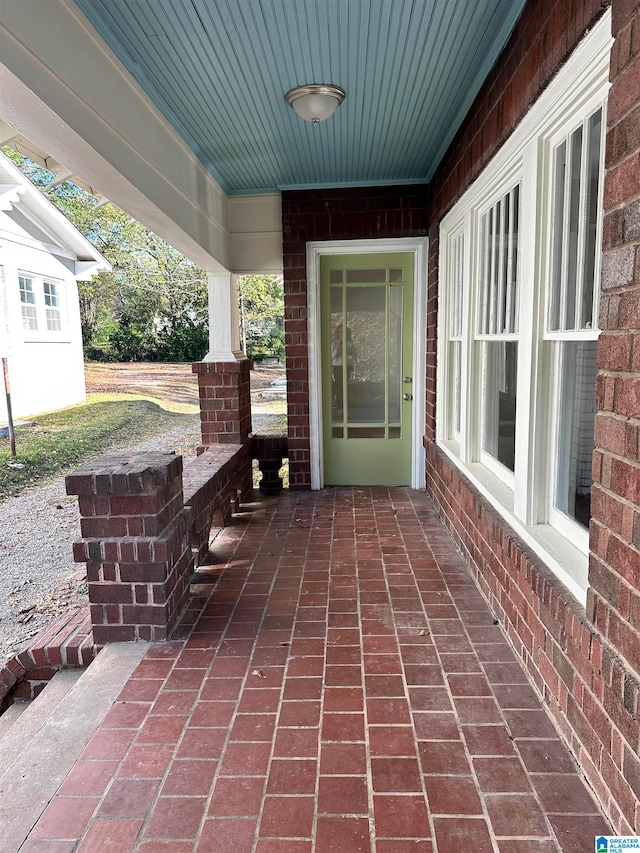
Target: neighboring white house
42 257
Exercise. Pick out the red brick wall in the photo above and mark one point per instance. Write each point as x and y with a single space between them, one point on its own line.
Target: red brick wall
614 571
585 664
341 214
225 401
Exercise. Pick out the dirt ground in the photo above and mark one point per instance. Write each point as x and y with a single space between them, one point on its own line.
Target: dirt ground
174 382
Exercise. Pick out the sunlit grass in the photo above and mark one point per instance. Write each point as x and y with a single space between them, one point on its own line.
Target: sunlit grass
161 402
61 440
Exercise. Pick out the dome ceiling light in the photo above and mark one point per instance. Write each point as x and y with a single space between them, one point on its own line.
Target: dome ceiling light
315 102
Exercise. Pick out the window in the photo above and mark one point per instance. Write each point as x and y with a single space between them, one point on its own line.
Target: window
28 301
52 303
41 302
518 307
497 317
577 165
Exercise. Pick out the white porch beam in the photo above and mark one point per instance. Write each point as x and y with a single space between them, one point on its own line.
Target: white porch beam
65 91
224 323
255 234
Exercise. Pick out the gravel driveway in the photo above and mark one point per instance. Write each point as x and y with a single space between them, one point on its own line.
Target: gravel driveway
38 578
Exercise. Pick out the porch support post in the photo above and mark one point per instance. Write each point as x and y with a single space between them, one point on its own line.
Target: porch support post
224 323
225 401
224 377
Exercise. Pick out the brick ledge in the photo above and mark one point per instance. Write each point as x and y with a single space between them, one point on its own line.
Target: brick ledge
65 642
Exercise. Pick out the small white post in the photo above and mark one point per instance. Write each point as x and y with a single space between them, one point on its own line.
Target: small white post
224 324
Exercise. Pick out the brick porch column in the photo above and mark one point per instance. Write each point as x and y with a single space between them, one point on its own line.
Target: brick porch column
136 544
225 401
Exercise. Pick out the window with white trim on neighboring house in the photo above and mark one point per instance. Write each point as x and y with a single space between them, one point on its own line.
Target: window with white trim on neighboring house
42 305
519 280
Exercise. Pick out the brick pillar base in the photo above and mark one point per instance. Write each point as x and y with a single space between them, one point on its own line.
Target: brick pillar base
225 401
136 544
270 451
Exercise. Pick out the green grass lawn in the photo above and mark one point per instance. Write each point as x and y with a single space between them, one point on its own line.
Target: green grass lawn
62 440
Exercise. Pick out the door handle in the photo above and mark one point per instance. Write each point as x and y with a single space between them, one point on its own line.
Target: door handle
407 396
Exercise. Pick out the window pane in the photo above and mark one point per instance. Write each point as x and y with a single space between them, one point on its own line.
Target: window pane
576 413
52 303
53 320
457 293
500 367
29 319
574 224
512 282
595 135
577 176
560 165
456 366
28 302
498 310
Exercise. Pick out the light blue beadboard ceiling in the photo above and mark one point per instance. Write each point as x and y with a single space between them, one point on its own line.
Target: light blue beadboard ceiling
218 71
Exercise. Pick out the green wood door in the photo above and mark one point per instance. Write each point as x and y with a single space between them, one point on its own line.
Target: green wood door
367 358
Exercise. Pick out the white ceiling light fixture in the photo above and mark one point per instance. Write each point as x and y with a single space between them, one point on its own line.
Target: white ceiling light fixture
315 102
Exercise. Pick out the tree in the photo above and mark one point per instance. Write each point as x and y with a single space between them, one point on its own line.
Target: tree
262 315
153 305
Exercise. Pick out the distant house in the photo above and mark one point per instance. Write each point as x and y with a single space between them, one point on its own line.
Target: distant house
42 257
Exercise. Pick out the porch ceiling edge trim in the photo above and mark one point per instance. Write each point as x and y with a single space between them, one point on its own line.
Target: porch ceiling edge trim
64 89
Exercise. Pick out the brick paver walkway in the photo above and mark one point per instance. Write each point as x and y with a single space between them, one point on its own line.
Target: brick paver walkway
345 688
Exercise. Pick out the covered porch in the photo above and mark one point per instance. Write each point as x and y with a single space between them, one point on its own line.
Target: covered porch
497 145
343 687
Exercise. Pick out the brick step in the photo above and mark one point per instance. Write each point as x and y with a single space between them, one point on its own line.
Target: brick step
39 750
65 642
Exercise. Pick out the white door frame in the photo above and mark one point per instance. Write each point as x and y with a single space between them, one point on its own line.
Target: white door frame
418 246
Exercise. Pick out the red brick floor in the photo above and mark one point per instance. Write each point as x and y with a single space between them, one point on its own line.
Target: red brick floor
344 688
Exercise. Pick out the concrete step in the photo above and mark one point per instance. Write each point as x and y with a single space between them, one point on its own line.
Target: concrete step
41 747
31 714
12 714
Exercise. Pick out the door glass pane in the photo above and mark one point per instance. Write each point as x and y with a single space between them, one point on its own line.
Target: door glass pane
337 354
365 354
395 353
500 364
335 276
366 276
396 275
576 415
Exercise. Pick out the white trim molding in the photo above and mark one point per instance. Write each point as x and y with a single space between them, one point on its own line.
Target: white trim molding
418 246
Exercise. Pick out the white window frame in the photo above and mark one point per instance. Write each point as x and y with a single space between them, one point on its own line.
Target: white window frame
555 339
527 157
43 332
